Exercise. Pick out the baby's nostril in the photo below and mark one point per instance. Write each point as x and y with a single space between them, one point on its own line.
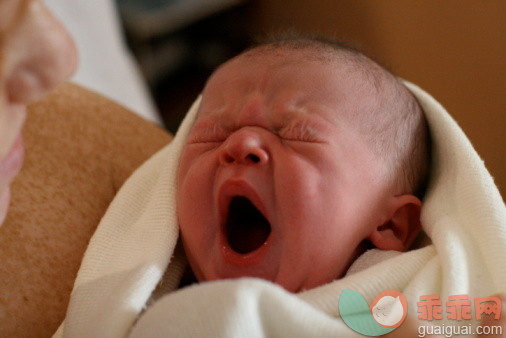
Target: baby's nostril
254 158
227 158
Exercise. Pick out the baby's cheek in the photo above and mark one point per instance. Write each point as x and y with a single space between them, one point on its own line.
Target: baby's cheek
184 163
183 188
194 189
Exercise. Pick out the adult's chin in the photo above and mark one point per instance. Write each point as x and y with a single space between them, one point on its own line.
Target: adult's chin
12 119
5 198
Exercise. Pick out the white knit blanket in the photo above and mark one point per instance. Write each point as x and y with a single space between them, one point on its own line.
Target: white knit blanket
463 215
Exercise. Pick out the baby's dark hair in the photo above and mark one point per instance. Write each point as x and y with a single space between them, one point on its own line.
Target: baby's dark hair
397 129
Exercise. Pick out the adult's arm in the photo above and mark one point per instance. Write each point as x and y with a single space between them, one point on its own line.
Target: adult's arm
80 148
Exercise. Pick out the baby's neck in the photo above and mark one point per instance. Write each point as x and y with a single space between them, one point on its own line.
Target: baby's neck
188 278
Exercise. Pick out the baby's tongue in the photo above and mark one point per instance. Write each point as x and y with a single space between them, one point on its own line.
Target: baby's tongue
247 228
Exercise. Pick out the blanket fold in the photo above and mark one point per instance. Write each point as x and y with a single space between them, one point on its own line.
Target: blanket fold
463 215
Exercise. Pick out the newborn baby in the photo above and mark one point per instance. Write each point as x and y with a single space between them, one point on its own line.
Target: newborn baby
304 154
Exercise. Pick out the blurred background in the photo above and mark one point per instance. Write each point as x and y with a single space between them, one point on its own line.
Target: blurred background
454 49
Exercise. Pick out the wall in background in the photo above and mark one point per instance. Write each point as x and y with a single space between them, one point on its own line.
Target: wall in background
455 49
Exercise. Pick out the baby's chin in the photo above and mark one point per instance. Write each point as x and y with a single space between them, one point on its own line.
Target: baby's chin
291 282
223 274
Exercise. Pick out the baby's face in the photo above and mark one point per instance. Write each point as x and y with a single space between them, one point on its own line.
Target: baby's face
274 182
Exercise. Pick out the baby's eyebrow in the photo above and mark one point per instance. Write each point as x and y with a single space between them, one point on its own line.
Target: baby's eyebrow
207 124
214 123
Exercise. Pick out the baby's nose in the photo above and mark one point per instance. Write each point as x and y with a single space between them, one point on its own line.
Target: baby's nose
245 146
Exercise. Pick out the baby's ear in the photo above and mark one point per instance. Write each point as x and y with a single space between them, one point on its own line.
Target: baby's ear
402 226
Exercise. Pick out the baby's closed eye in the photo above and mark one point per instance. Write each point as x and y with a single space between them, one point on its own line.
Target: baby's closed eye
207 133
301 131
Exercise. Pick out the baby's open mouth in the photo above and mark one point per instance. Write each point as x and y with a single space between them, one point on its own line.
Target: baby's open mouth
246 228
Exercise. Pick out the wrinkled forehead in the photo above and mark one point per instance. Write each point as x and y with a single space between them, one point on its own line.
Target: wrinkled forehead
268 62
283 77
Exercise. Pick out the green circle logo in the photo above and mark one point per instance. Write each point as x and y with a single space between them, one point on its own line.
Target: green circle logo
386 312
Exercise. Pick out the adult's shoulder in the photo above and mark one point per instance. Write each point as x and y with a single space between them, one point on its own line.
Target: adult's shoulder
80 148
81 122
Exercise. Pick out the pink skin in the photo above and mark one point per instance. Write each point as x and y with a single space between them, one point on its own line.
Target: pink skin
273 128
36 54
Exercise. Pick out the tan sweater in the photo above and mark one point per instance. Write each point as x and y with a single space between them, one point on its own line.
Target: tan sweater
80 148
